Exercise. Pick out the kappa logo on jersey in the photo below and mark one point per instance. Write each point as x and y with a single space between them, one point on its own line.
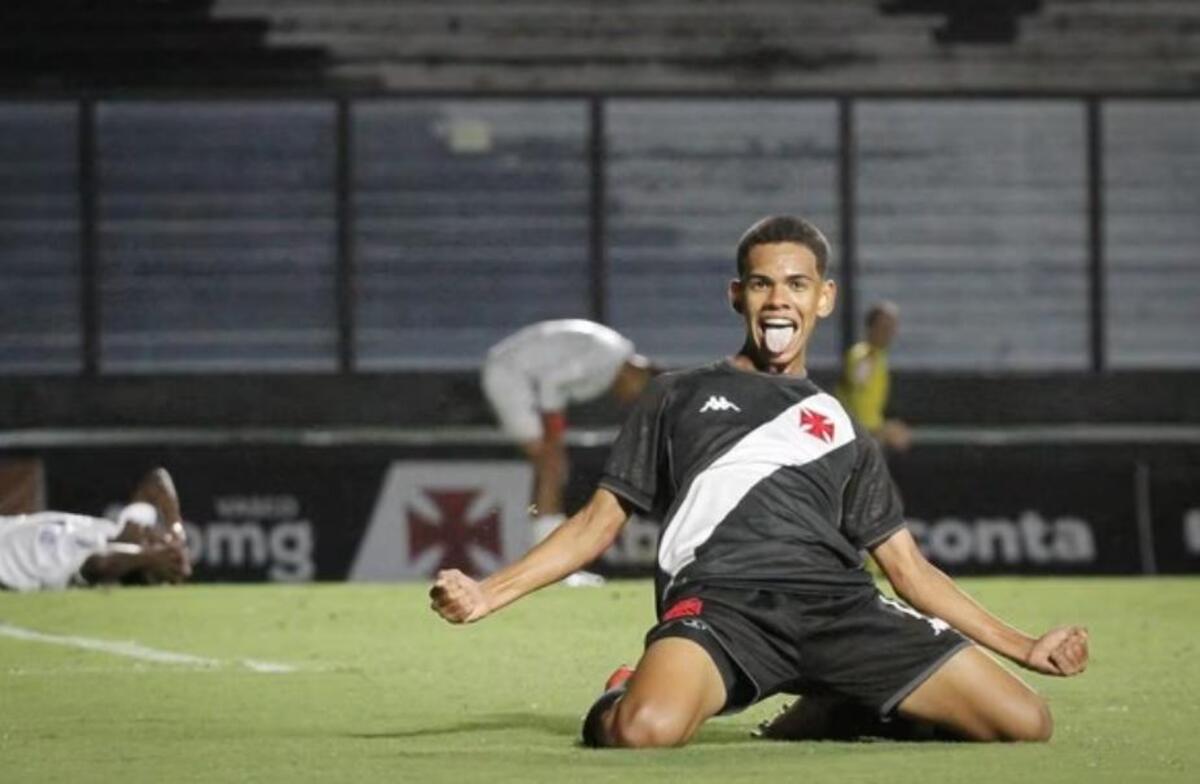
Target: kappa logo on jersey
816 425
718 403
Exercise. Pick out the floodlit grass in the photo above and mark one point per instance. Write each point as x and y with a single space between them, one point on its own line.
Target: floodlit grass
384 691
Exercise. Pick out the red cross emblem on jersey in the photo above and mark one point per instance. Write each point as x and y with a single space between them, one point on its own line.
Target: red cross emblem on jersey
454 531
816 425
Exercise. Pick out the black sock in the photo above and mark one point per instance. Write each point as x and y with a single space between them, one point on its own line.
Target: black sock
593 723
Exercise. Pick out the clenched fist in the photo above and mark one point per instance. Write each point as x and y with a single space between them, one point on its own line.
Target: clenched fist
458 598
1060 651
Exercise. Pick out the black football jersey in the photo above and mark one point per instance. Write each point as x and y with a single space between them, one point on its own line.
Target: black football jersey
758 480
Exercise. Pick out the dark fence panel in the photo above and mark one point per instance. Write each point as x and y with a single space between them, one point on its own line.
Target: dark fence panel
265 234
40 275
685 179
1152 198
471 221
217 236
972 217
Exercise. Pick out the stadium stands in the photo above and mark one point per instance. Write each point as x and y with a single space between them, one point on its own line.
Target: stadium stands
752 45
588 44
218 242
969 21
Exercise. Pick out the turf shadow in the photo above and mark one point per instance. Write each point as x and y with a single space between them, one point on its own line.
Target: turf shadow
549 724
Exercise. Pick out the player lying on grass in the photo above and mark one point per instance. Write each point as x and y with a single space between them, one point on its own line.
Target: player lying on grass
52 550
768 492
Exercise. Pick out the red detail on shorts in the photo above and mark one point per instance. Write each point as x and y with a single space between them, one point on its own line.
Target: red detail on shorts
685 608
555 424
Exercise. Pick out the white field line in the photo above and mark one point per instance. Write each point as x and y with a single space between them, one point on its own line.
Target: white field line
134 650
132 668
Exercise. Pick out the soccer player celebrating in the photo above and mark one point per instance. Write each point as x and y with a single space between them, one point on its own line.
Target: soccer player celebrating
768 492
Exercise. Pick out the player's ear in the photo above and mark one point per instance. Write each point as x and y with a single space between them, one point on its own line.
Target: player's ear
827 299
735 295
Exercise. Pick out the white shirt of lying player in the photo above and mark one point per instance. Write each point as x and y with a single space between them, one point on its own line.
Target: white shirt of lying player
546 366
46 550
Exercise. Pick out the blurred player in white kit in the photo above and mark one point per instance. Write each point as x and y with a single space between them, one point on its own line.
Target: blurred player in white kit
531 377
53 550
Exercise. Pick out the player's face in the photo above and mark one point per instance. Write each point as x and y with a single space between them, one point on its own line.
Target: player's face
781 297
883 330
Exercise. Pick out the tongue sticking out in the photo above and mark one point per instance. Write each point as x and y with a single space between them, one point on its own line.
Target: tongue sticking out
778 338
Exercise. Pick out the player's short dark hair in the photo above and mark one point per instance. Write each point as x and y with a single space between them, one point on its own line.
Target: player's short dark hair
783 228
883 307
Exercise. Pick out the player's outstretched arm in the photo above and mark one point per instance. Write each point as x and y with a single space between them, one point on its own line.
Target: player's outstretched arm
159 562
1060 651
574 544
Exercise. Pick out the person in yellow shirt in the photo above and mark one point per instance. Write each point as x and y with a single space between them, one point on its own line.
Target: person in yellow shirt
865 381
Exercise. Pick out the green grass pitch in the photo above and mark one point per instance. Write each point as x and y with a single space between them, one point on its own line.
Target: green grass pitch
384 691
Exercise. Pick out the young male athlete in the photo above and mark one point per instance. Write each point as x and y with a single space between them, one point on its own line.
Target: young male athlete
530 378
54 550
768 492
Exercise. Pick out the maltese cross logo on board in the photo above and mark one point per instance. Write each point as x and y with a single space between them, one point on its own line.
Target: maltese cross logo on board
443 514
816 425
456 530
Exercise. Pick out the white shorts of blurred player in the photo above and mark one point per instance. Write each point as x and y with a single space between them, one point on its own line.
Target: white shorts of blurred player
513 398
44 551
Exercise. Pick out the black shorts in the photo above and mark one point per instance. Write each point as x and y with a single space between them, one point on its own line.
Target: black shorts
860 644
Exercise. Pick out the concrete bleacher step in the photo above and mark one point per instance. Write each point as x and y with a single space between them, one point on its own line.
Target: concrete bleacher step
564 24
1116 9
124 34
673 44
82 43
513 26
542 40
165 66
686 44
58 9
633 49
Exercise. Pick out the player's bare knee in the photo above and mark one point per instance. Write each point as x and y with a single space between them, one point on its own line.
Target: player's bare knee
640 725
1033 723
1043 726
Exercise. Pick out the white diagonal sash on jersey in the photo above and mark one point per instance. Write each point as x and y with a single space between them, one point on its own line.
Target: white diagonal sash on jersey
716 490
